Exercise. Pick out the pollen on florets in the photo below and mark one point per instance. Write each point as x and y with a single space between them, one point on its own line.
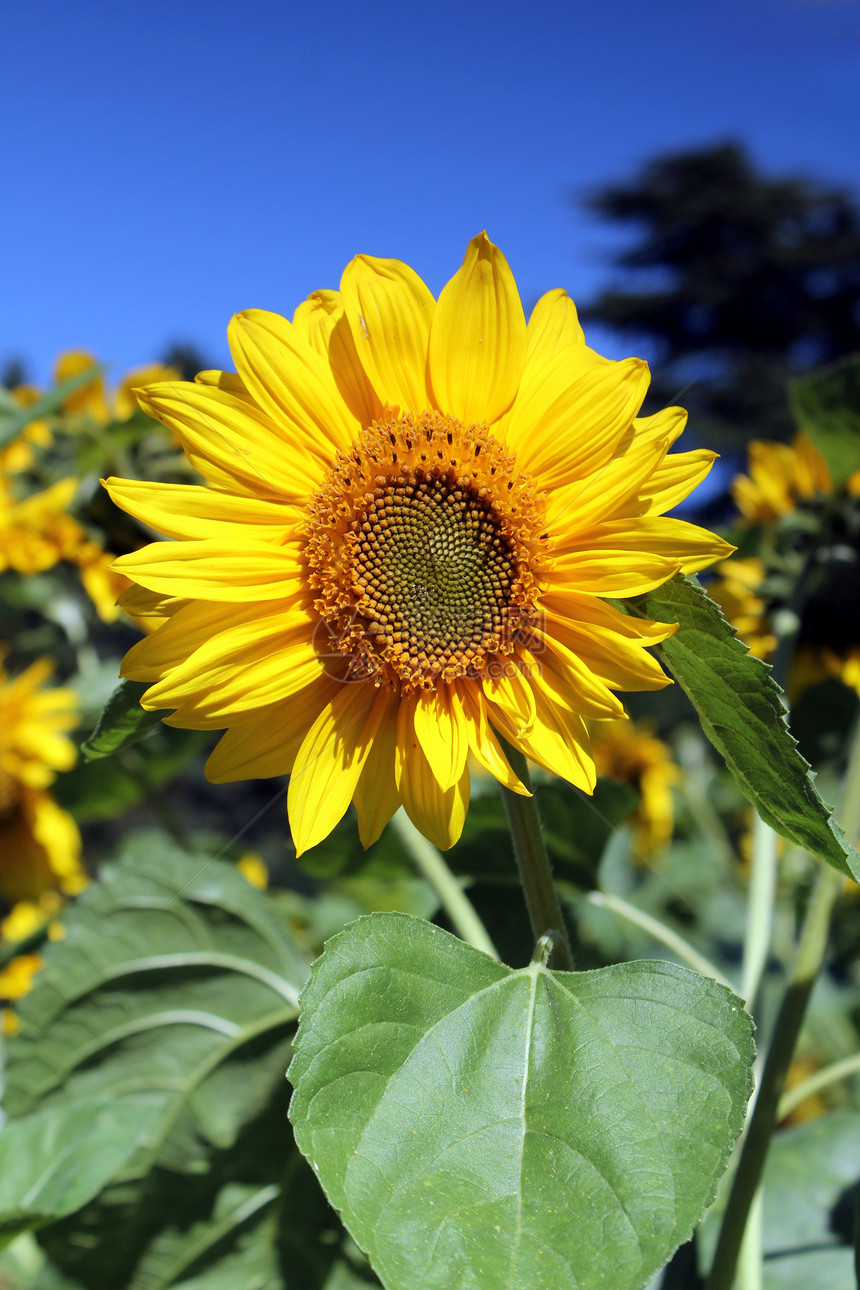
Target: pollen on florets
425 549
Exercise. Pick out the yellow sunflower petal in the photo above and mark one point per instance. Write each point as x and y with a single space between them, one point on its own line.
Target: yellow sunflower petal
290 380
249 665
229 381
232 443
663 427
377 796
141 603
389 310
623 664
185 631
478 337
572 411
265 743
508 690
566 604
441 731
553 325
213 569
321 318
188 511
316 316
330 760
692 546
673 480
612 572
562 673
559 741
581 503
484 743
438 813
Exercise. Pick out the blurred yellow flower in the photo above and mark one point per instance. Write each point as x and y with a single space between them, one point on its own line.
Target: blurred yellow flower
90 399
417 511
735 589
38 531
18 454
781 479
27 917
94 399
630 751
254 868
780 476
40 847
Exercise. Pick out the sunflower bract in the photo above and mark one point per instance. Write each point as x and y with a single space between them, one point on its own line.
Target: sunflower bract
413 512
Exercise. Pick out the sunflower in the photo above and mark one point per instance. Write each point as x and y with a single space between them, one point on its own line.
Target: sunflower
18 454
631 752
94 400
40 848
736 589
780 476
414 512
783 480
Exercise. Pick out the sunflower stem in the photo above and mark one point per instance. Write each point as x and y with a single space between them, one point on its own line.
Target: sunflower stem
533 863
430 862
808 961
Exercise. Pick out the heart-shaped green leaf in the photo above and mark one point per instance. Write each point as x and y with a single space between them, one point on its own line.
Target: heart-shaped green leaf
478 1126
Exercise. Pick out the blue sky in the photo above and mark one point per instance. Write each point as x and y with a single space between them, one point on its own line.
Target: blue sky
168 164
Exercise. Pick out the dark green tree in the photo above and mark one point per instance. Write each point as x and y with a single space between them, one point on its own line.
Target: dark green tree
185 356
737 280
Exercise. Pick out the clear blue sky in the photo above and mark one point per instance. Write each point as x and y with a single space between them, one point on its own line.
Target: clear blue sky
167 164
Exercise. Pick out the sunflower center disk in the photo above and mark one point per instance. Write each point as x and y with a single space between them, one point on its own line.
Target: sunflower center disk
423 550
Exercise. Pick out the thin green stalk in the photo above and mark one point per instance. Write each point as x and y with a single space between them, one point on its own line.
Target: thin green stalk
809 958
683 949
533 864
448 888
750 1269
759 909
831 1074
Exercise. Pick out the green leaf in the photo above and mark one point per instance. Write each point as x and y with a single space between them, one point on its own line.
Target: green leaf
741 711
809 1190
123 721
808 1212
243 1220
175 978
827 406
176 981
13 423
53 1162
104 789
479 1126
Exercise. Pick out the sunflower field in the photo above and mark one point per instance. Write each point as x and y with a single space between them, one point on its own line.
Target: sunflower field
426 853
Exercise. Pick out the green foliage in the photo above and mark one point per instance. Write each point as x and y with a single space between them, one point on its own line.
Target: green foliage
122 722
810 1188
176 982
480 1126
53 1162
827 406
14 418
742 713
